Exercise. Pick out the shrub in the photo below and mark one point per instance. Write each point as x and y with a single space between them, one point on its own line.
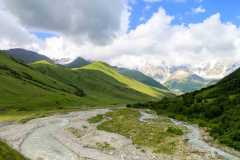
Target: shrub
175 130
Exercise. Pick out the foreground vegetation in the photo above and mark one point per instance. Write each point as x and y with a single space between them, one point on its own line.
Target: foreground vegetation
158 135
216 107
96 119
7 153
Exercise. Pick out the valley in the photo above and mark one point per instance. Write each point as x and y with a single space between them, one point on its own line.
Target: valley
77 111
119 80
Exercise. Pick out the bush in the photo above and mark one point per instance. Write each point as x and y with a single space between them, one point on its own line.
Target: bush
175 130
180 117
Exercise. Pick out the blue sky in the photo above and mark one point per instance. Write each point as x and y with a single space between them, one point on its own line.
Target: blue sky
44 35
182 10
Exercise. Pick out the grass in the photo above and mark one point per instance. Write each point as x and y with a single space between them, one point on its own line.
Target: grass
131 83
7 153
96 119
153 135
139 76
175 130
216 107
98 83
47 87
23 88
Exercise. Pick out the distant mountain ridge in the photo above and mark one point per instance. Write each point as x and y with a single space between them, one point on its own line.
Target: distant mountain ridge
180 79
209 74
141 77
77 63
29 57
137 75
161 72
26 56
183 81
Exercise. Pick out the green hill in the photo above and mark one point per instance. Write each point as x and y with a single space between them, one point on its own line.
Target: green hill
45 87
26 56
139 76
216 107
7 153
23 88
77 63
98 81
130 83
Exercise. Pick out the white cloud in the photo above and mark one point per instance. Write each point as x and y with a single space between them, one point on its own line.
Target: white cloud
156 41
12 33
198 10
80 20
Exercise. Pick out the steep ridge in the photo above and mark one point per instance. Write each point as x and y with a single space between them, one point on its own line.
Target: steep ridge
130 83
77 63
139 76
26 56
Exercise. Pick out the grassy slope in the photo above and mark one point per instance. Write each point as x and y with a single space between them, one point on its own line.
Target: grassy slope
159 135
130 83
26 56
27 93
217 107
22 87
6 153
95 83
139 76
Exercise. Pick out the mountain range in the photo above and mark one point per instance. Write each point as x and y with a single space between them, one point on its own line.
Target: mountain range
163 72
30 57
141 77
26 56
183 81
179 79
44 84
182 78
